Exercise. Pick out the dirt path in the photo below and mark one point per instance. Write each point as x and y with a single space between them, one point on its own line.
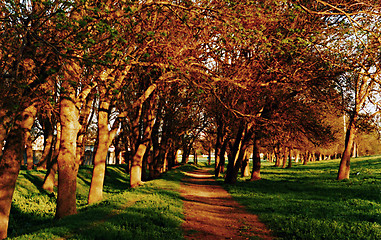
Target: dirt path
211 213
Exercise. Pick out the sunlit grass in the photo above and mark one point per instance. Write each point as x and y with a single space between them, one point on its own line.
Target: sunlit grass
306 202
153 211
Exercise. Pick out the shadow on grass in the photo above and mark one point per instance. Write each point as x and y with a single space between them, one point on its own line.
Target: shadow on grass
153 211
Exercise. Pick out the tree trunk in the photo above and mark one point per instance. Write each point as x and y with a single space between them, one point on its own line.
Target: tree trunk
10 165
9 170
47 154
256 173
4 123
52 165
136 166
245 169
195 159
221 164
146 157
289 159
277 156
67 165
217 149
344 168
185 156
209 156
297 158
85 114
97 180
27 141
285 157
306 157
236 155
137 160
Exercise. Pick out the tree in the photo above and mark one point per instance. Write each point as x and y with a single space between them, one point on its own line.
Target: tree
353 29
10 163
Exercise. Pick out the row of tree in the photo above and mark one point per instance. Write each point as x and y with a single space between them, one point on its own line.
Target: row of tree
154 76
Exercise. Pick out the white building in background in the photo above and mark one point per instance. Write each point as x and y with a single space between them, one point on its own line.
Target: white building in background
38 144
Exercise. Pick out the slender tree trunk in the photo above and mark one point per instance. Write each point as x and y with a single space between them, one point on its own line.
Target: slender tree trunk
209 156
237 153
85 114
10 165
306 157
27 141
137 160
185 156
146 157
277 156
245 169
97 180
67 165
221 164
285 157
4 123
297 158
256 173
137 166
195 159
289 159
217 149
234 157
52 165
9 170
344 168
47 154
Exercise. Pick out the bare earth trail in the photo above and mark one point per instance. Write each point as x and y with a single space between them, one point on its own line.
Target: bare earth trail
211 213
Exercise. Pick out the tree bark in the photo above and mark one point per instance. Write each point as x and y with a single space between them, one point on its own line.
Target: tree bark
4 122
137 166
344 168
285 157
289 159
238 150
52 165
217 149
137 160
195 159
245 169
221 164
10 165
277 156
67 165
104 140
27 141
97 180
48 137
256 173
185 155
209 156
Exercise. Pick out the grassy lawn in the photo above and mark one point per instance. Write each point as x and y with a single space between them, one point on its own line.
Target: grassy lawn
153 211
306 202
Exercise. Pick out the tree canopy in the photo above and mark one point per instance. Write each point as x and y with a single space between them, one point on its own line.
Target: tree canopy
156 76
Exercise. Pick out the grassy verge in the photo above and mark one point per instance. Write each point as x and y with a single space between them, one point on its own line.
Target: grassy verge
153 211
306 202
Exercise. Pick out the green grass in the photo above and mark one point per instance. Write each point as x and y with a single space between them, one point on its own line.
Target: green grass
153 211
306 202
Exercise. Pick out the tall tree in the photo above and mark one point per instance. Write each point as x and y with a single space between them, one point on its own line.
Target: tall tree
353 29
